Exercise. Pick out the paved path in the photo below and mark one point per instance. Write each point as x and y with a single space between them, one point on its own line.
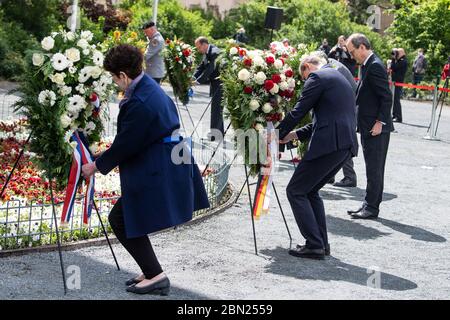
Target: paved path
215 259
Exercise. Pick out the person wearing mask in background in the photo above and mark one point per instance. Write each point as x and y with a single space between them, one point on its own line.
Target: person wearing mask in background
419 69
399 65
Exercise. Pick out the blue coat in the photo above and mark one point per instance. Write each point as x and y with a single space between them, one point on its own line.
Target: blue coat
156 193
332 100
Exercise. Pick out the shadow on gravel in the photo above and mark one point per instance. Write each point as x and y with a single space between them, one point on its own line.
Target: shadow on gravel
416 233
350 228
350 194
38 276
332 269
413 125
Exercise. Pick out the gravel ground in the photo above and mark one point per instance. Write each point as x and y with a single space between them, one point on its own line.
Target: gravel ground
215 259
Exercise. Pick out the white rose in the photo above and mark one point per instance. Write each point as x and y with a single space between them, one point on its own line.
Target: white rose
259 127
267 108
278 64
88 35
59 62
284 86
83 44
291 83
254 105
283 77
244 75
98 58
258 61
275 89
65 120
58 78
38 59
65 90
86 52
48 43
70 36
95 72
73 54
260 78
234 51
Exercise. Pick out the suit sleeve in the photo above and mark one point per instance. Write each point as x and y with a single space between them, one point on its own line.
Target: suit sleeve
310 96
203 75
132 138
379 81
152 50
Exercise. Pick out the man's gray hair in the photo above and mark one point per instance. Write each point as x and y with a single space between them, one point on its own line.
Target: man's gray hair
202 40
312 59
358 39
320 54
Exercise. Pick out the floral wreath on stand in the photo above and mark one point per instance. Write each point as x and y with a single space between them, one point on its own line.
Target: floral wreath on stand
179 60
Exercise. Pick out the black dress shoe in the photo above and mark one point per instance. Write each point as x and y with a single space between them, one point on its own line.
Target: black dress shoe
161 287
345 183
303 252
331 181
327 249
132 281
364 214
396 120
350 212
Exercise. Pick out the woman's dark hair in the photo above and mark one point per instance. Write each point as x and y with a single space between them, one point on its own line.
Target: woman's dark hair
124 58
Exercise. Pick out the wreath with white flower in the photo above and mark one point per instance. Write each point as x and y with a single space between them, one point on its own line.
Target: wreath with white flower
64 89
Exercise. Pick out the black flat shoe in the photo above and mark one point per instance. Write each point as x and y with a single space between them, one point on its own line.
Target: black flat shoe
132 281
364 214
161 287
303 252
327 249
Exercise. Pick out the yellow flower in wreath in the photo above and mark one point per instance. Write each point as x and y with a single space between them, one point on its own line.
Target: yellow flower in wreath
117 35
133 35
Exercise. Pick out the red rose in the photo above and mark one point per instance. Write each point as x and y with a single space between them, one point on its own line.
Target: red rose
282 93
93 97
289 94
282 60
268 85
186 52
248 90
177 59
276 78
270 60
289 73
248 62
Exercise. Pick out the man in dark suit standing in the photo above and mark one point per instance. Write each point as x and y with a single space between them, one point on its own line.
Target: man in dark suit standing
399 66
208 72
333 142
373 103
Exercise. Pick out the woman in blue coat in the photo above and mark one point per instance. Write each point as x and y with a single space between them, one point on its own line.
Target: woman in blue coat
157 191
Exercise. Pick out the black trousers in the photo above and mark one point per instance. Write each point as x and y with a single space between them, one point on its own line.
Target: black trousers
140 248
397 109
375 152
303 195
349 172
216 106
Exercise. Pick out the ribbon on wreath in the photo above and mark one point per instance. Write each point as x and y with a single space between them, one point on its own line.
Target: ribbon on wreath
264 185
81 156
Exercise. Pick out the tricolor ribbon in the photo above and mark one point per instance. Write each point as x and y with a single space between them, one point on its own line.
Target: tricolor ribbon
81 156
264 185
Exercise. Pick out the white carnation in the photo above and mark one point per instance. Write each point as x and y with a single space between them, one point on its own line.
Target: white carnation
258 61
278 64
83 44
38 59
65 120
86 52
48 43
47 97
283 77
267 108
59 62
73 54
70 36
259 127
260 78
244 75
275 89
88 35
254 105
65 90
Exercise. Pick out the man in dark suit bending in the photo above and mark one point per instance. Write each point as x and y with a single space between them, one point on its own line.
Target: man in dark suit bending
373 104
333 141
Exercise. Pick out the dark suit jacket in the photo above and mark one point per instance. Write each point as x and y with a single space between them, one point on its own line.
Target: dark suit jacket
373 97
208 71
333 63
156 192
399 69
332 100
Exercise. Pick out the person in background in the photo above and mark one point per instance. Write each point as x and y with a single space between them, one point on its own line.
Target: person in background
154 59
325 47
208 72
419 68
157 192
399 66
373 105
286 42
340 53
240 36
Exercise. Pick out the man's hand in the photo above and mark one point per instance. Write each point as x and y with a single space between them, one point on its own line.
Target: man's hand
290 136
377 128
88 170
